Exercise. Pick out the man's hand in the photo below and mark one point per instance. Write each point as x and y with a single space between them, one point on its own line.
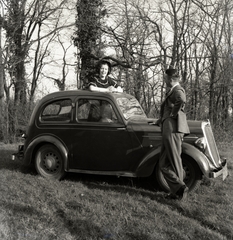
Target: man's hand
158 122
111 89
119 89
173 116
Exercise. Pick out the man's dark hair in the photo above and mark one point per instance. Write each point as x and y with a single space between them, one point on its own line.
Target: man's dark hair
172 72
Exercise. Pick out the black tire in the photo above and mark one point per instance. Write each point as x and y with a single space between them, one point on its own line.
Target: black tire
192 175
49 162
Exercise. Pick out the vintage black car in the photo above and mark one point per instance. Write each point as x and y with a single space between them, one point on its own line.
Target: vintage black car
109 134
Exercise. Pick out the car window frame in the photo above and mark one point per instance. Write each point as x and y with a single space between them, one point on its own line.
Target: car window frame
51 101
102 98
132 117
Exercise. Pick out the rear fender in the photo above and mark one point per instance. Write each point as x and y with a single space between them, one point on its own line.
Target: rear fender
40 141
148 163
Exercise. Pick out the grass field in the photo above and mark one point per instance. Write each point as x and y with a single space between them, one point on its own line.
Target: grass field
93 207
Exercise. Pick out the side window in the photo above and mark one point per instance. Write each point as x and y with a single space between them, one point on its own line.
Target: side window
91 110
57 111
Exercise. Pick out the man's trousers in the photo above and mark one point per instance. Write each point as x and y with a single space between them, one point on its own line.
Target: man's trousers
170 159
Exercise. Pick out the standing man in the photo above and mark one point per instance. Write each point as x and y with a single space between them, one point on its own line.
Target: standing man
174 127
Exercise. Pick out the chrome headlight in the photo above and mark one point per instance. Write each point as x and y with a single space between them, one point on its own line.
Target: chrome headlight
24 136
201 143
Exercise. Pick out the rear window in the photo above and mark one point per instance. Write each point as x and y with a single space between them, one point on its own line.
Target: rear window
57 111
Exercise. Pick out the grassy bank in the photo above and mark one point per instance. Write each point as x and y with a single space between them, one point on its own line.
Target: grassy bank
93 207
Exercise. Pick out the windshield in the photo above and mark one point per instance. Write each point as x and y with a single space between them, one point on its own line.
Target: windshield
130 107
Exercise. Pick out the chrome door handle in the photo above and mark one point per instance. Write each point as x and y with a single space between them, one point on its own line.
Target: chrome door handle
121 128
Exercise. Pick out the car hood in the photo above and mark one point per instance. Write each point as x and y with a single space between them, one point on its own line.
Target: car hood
148 124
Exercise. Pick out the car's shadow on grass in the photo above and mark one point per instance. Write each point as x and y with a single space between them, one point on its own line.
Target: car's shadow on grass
144 186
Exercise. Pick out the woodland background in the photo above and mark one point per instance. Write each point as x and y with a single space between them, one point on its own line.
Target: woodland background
141 38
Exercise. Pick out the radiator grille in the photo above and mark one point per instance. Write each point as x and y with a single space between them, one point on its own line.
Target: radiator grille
212 151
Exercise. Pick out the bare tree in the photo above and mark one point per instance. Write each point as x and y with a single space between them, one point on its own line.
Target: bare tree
61 82
131 37
147 37
25 19
27 23
88 35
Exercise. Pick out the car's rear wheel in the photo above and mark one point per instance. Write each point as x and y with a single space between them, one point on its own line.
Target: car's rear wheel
49 162
192 175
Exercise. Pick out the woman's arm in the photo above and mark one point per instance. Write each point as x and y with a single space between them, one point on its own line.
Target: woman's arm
109 89
98 89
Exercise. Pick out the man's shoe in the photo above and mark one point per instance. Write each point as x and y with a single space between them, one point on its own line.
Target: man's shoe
172 196
182 193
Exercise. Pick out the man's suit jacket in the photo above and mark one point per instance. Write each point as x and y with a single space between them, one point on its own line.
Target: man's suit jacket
173 106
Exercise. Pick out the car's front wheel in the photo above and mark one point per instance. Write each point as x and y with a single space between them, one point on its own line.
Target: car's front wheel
192 175
49 162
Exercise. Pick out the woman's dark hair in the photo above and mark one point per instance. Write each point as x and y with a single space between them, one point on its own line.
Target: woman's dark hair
102 62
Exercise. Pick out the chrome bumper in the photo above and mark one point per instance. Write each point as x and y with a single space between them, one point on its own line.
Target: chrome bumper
19 155
223 171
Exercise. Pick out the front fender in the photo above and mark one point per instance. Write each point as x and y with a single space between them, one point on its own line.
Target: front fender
147 164
41 140
199 157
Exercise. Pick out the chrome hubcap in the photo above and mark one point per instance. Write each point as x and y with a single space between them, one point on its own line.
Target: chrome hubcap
51 162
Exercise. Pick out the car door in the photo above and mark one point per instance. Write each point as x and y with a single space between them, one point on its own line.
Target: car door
101 139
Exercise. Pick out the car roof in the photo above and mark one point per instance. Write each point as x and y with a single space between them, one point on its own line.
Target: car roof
69 93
